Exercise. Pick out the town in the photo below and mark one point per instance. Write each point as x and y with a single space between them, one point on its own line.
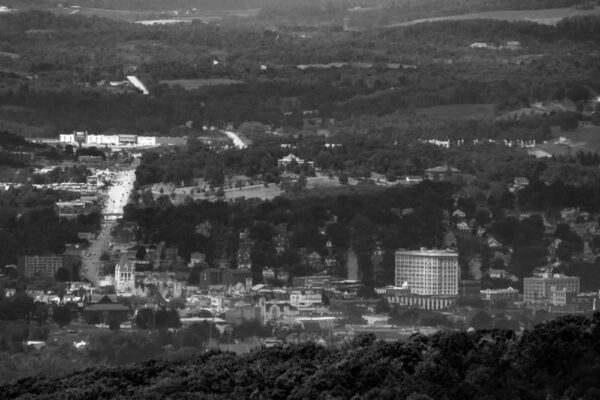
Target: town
114 278
299 199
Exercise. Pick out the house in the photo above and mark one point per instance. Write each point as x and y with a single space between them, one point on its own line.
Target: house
520 182
197 259
494 244
460 214
104 309
315 261
289 159
512 45
440 173
463 226
497 273
478 45
410 180
268 274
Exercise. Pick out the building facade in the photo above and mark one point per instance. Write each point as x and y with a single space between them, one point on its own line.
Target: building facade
545 288
41 265
125 276
428 272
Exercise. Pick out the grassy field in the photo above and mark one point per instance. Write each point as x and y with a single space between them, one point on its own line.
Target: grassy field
458 111
549 16
191 84
586 138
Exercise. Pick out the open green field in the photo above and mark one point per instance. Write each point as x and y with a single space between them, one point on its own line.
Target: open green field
192 84
585 138
550 16
458 111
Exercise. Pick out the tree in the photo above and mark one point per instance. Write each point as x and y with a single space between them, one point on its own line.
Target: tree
62 275
61 315
343 178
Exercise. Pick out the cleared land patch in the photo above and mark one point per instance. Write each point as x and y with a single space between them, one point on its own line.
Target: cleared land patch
192 84
549 16
458 111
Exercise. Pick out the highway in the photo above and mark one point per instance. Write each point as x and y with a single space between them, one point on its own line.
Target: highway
118 197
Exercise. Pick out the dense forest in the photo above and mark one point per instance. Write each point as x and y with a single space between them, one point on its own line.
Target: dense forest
557 359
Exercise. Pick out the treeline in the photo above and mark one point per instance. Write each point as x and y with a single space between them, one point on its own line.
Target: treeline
386 145
553 360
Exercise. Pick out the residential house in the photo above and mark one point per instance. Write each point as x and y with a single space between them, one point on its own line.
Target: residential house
198 260
315 261
464 226
459 214
440 173
289 159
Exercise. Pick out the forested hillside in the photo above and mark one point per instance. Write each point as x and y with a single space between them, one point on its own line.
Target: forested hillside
558 359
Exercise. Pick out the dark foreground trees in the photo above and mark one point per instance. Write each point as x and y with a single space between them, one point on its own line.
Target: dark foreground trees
559 359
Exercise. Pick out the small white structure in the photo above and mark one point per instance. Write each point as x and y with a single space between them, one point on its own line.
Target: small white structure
290 158
479 45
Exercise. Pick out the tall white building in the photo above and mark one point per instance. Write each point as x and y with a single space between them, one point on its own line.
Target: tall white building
66 138
428 272
124 276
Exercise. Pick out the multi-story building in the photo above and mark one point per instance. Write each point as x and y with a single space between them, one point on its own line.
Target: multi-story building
109 140
66 138
124 275
428 272
146 140
305 298
545 288
125 139
42 265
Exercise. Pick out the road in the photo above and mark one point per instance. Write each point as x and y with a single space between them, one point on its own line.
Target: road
237 142
118 196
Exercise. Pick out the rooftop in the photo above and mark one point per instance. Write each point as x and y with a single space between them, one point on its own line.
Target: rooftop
423 252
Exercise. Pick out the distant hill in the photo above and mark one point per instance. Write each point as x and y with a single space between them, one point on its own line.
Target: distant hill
559 359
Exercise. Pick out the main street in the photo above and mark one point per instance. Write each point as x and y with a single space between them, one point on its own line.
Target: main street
117 199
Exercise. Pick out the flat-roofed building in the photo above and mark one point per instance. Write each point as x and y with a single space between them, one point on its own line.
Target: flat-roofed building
146 140
428 272
540 289
41 265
